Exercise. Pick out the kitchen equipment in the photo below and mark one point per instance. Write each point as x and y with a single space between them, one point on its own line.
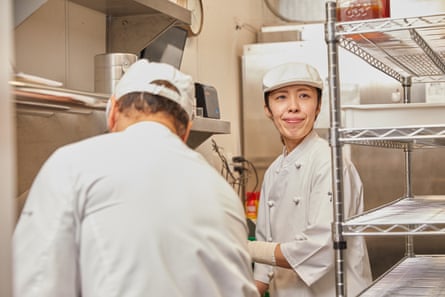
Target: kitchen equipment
167 47
352 10
109 68
207 98
251 205
393 115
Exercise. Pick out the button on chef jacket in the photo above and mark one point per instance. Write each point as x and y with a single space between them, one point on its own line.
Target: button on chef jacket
131 214
296 209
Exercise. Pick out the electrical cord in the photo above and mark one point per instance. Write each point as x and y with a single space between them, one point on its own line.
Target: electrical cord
239 176
225 169
241 159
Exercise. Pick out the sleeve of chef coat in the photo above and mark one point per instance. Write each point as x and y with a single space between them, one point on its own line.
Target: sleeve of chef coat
360 275
45 253
262 272
353 190
310 254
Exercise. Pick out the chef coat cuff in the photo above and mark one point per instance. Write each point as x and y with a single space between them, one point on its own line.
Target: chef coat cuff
263 272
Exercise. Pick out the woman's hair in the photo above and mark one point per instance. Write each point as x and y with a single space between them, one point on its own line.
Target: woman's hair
149 104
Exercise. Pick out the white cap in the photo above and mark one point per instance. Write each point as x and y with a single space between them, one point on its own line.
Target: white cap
141 74
291 74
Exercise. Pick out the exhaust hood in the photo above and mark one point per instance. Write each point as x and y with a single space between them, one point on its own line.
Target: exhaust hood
24 8
167 48
132 24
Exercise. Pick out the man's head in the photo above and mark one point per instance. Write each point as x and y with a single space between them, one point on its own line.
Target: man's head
152 91
292 94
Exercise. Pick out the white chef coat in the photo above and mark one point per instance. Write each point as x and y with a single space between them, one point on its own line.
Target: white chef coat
296 210
131 214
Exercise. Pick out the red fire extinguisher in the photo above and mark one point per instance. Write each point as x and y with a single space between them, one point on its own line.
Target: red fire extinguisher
252 199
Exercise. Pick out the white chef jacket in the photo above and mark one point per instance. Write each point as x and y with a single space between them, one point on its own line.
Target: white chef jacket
296 210
131 214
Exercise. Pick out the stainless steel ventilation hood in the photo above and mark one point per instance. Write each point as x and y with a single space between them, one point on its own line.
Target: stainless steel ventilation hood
24 8
132 24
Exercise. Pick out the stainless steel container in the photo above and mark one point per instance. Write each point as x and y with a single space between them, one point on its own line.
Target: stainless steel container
109 68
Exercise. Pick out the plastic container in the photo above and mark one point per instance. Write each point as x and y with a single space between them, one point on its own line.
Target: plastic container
393 115
353 10
386 9
435 92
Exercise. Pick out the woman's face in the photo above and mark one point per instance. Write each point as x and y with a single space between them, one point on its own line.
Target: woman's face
293 110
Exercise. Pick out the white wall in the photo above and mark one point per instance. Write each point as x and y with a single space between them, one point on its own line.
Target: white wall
7 151
214 58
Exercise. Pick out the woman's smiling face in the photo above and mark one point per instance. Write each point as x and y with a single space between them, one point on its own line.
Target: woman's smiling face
293 110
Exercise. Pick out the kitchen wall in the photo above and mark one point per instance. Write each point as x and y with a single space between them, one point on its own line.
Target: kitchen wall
60 39
214 58
7 152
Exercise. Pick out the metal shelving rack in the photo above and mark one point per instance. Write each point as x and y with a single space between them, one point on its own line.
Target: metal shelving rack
410 50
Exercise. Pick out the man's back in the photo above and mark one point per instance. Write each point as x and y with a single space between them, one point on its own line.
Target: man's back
149 215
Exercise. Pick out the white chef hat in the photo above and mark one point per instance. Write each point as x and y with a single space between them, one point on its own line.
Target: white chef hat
141 75
291 74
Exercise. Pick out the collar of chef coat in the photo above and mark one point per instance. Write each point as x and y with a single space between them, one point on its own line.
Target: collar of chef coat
298 151
155 127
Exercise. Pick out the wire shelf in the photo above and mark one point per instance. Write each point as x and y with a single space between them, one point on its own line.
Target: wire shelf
413 276
409 50
420 215
405 49
396 137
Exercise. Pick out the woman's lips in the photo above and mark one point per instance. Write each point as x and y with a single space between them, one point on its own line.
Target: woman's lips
293 120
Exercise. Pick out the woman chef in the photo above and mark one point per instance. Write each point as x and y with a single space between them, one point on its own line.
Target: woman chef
293 252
